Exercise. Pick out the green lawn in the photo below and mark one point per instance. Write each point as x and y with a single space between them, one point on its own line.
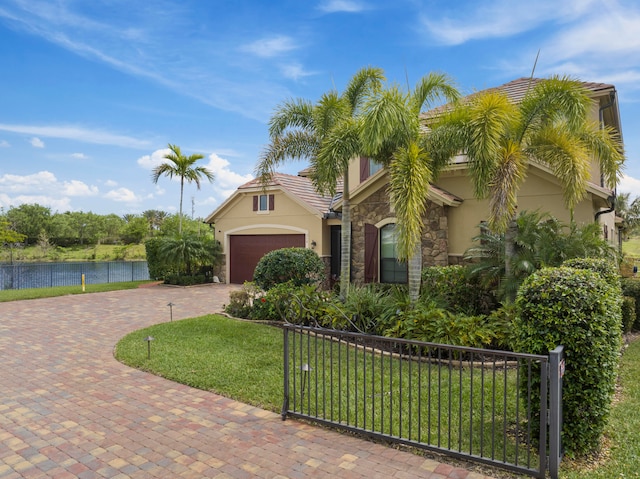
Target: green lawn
75 253
243 361
631 247
35 293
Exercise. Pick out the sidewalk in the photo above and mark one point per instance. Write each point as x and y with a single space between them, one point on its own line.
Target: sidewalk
68 409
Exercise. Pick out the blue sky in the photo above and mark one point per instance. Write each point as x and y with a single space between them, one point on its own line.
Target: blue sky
91 92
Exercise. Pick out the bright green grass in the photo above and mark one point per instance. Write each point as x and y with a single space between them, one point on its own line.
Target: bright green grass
631 247
237 359
35 293
623 430
244 361
75 253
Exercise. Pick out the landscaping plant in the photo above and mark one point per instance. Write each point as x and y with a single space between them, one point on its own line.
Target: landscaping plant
580 310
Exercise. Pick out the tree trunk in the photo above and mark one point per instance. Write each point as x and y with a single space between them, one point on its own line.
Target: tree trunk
509 254
181 194
345 238
414 271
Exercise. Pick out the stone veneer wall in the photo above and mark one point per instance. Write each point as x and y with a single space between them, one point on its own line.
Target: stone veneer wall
221 270
376 208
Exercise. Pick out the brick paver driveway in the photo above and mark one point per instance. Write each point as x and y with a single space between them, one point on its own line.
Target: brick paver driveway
69 409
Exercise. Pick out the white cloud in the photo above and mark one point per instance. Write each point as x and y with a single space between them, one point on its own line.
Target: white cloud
111 183
149 162
348 6
41 181
77 133
36 142
122 195
295 71
78 188
499 18
79 156
43 188
225 179
271 46
4 144
629 185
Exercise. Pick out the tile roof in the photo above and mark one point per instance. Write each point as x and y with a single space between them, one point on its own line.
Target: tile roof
516 91
298 186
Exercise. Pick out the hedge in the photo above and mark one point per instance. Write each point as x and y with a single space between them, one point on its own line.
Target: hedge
580 310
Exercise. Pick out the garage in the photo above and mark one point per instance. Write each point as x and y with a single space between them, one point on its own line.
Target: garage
246 250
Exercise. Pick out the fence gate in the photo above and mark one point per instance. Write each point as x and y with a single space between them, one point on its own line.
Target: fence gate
474 404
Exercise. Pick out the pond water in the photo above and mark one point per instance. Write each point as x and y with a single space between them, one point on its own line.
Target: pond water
46 275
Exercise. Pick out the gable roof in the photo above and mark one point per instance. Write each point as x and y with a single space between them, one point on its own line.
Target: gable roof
299 186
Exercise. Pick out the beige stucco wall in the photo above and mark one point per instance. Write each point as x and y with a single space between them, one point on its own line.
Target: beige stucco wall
288 217
536 193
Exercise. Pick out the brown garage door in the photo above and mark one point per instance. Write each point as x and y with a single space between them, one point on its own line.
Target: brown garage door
246 250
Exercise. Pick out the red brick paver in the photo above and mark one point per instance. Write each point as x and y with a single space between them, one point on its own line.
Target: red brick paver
68 409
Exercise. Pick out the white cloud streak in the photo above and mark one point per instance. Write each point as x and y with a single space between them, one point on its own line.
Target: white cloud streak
346 6
271 46
78 134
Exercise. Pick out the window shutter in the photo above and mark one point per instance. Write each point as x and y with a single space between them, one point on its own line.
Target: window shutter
271 202
255 203
364 168
370 253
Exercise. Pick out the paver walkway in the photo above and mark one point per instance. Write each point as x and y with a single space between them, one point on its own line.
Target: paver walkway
68 409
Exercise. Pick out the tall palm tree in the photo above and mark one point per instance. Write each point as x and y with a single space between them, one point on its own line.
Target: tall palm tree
629 211
392 133
325 133
182 166
500 138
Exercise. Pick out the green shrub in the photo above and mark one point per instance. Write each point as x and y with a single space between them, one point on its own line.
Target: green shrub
300 266
427 322
606 268
304 304
239 304
158 267
365 310
453 288
581 311
628 313
631 287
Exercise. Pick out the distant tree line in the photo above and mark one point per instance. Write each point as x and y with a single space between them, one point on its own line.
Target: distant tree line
34 223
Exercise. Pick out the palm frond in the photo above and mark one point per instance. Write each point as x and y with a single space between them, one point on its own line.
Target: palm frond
293 144
607 146
367 80
387 122
294 113
409 182
567 156
332 160
505 182
432 88
491 118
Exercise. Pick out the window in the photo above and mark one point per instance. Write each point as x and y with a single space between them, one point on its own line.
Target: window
263 203
391 270
368 167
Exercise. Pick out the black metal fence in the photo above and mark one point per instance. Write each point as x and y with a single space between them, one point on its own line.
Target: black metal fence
44 275
469 403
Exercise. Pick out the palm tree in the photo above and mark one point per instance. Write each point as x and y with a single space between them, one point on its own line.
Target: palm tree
325 133
392 133
629 211
549 126
540 240
182 166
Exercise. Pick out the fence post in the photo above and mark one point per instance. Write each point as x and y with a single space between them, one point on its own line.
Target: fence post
285 404
556 371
